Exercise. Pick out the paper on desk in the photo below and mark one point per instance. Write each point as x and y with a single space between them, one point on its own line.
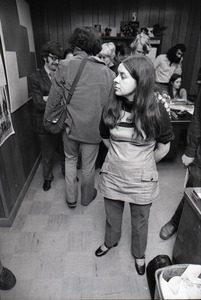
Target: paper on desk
182 107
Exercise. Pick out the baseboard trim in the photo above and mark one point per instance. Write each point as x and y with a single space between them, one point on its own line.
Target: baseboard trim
7 222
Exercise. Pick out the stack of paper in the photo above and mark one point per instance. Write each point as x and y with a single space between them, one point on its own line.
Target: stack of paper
182 105
186 286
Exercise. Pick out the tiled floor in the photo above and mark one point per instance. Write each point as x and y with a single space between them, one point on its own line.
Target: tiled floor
50 248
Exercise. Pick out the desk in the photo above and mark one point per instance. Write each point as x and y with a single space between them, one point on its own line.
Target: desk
178 125
187 247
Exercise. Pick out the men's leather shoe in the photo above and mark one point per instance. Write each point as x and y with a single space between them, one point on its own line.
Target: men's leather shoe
103 249
47 185
7 279
140 268
167 231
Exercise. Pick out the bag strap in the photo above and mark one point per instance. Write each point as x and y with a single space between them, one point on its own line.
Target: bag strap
77 77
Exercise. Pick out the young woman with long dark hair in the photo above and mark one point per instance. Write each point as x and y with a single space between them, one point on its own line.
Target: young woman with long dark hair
174 88
137 131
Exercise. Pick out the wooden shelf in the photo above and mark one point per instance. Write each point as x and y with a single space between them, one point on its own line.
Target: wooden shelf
155 42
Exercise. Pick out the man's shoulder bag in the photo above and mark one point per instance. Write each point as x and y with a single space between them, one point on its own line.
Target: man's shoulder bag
55 122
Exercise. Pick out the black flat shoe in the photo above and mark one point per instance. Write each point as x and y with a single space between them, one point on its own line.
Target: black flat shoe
47 185
140 268
71 204
103 249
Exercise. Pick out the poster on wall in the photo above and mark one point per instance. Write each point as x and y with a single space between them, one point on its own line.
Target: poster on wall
6 126
2 72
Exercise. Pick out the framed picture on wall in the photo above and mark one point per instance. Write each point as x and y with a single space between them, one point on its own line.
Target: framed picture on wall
130 28
6 126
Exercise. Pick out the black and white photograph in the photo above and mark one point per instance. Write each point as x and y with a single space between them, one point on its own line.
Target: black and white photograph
100 150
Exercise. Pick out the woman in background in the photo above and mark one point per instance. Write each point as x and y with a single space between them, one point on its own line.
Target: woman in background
174 88
141 44
107 54
137 131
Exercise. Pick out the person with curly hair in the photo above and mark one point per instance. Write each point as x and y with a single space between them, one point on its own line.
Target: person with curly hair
94 89
166 65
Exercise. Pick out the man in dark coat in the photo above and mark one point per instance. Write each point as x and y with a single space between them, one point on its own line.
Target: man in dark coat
39 84
192 160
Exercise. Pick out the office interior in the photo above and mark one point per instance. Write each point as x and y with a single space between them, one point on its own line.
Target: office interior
49 246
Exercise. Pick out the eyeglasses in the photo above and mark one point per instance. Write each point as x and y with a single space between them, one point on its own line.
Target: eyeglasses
54 58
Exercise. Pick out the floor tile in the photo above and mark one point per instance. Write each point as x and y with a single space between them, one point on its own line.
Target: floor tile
51 248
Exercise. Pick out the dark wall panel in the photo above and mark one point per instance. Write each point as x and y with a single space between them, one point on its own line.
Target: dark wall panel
2 212
20 152
18 155
181 18
16 37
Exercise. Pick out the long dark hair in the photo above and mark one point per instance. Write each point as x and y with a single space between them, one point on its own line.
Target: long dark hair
171 53
170 87
145 113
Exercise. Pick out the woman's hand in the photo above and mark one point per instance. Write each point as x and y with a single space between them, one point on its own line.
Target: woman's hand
181 59
45 98
161 150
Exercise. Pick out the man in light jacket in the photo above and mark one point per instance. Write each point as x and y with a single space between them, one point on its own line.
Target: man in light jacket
93 90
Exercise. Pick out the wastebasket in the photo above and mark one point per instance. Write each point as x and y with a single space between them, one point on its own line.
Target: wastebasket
167 273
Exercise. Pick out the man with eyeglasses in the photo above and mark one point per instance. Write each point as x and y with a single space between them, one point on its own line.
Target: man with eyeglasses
166 65
39 84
